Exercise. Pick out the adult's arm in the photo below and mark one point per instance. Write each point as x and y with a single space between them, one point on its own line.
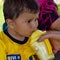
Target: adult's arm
56 25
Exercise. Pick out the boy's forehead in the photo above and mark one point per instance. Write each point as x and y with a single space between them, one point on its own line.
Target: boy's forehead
28 14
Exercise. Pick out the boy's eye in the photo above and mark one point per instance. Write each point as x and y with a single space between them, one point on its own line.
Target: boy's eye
36 19
29 21
32 20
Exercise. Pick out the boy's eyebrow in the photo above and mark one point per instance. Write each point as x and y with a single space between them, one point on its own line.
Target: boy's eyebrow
33 18
30 19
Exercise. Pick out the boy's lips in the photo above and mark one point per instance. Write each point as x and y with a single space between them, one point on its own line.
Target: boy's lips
32 32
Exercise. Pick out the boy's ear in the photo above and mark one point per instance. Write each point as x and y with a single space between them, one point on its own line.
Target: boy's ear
10 23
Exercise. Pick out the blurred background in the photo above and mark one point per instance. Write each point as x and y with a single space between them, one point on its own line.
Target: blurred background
1 14
1 11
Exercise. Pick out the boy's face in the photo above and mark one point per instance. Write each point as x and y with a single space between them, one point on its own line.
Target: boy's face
25 24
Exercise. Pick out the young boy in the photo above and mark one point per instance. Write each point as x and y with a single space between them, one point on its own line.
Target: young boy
21 18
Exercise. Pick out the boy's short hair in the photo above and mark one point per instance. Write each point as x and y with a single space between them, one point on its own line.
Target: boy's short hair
13 8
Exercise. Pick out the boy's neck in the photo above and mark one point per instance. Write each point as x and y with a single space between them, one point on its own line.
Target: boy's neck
14 35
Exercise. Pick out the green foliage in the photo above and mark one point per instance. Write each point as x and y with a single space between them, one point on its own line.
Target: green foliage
59 9
1 15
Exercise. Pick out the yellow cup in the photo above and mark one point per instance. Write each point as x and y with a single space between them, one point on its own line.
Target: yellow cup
43 49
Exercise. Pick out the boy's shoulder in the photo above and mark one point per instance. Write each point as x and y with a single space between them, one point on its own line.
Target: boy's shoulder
2 34
2 45
3 37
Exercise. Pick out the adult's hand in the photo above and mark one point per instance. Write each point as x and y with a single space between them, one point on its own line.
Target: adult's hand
50 34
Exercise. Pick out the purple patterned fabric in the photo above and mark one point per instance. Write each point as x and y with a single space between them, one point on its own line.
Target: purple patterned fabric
48 14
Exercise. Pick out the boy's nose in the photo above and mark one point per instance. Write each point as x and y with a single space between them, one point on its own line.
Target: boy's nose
34 26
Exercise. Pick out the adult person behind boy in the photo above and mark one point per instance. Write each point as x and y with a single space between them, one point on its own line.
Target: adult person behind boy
49 19
21 18
48 14
55 36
